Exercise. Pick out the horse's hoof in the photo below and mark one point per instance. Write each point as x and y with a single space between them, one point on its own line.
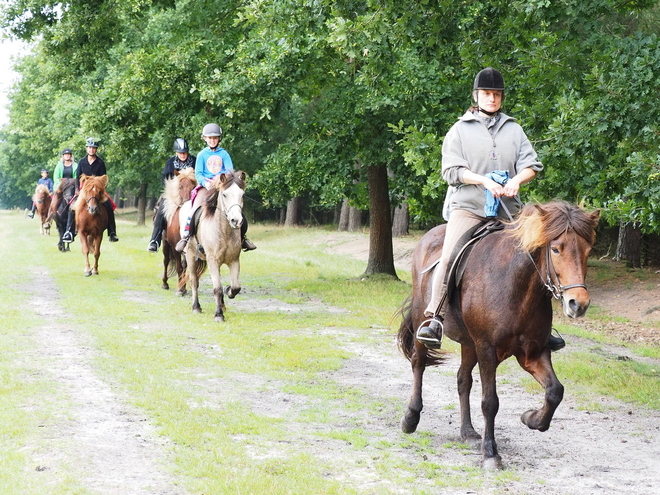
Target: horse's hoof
88 274
180 293
165 286
492 463
408 426
219 319
473 440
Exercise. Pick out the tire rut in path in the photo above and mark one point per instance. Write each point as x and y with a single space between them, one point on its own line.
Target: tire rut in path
96 437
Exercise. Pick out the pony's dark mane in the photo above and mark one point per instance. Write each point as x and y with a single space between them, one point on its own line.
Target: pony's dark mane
235 177
537 225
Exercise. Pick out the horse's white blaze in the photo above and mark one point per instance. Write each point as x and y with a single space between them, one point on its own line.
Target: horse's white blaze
232 203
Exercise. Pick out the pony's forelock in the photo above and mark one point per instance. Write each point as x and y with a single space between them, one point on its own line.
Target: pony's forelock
537 225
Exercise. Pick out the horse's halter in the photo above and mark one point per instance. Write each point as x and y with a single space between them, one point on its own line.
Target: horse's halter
226 210
556 289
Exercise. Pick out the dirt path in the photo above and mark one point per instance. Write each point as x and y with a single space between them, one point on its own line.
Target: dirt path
98 436
115 449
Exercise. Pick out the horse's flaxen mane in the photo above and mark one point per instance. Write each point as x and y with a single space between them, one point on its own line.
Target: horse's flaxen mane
537 225
41 189
221 183
91 186
171 193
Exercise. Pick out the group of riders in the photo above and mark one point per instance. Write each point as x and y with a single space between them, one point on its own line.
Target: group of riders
486 158
209 164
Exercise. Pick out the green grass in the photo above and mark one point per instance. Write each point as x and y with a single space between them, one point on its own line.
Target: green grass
205 386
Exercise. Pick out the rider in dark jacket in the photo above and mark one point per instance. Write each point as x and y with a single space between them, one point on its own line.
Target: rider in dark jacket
181 160
92 165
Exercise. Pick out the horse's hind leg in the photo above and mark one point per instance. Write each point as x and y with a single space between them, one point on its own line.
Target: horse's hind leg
464 381
541 369
415 405
97 255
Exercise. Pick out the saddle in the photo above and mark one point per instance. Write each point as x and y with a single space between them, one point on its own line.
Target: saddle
460 255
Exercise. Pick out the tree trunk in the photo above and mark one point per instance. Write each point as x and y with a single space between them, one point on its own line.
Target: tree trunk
628 247
142 204
343 216
292 212
354 219
401 220
381 252
117 198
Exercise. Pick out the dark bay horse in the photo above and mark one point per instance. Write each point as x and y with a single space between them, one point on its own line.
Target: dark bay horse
177 191
41 199
219 232
91 218
503 308
59 208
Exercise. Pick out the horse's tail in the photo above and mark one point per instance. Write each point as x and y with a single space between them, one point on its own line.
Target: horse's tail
406 336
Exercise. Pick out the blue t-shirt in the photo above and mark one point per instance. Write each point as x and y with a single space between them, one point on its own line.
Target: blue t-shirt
48 182
211 163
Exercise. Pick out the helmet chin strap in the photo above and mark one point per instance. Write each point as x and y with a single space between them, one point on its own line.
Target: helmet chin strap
490 114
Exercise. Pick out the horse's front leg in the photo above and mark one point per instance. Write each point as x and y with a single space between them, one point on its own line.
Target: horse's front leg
97 254
490 404
541 369
167 256
234 275
214 269
410 420
464 381
180 262
85 251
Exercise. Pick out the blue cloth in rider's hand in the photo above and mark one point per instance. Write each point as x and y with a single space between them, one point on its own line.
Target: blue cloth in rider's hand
493 203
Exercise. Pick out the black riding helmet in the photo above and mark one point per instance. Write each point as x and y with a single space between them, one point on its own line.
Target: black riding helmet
489 78
180 145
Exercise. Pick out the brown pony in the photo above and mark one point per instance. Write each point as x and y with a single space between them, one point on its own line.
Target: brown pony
59 208
503 308
91 218
219 232
41 199
177 191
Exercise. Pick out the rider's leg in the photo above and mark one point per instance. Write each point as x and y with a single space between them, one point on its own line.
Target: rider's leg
32 210
460 221
199 198
70 225
159 226
112 226
246 243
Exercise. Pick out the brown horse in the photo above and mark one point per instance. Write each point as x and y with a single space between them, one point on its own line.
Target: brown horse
219 232
59 208
41 199
503 308
177 191
91 218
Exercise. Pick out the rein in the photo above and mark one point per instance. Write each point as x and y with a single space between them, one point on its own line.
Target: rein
557 290
226 210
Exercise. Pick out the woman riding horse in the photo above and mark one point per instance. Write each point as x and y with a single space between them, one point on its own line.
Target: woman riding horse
486 157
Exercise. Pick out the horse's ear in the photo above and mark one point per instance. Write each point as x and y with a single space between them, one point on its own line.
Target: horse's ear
540 211
241 175
104 181
176 172
224 177
83 178
595 216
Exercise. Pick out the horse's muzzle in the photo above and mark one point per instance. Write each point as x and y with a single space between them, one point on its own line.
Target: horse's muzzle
575 302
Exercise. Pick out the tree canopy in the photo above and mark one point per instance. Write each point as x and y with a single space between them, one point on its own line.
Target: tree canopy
312 93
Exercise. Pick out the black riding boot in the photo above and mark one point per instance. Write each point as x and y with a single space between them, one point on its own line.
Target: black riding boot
112 226
246 243
159 226
70 222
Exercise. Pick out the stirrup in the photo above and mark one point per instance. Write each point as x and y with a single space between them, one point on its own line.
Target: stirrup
430 332
181 245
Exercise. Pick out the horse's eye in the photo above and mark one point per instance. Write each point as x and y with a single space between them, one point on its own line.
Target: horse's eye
555 250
